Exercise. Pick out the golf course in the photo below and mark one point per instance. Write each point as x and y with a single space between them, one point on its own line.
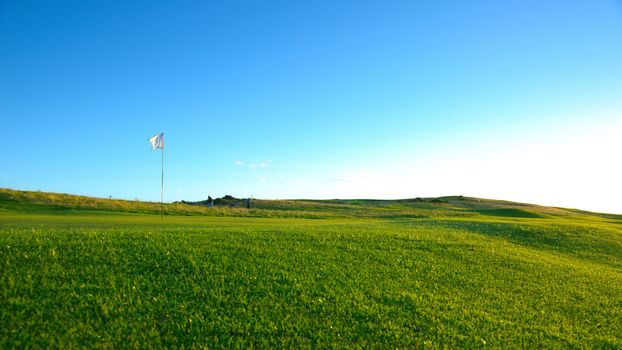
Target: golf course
448 272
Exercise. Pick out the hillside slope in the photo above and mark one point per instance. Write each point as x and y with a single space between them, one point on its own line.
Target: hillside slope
448 272
453 206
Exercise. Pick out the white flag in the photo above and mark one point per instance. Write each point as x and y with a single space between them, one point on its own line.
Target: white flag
157 142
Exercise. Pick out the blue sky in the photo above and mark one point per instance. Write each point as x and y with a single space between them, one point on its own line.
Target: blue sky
517 100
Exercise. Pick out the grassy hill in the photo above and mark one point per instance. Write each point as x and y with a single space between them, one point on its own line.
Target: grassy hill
449 272
46 202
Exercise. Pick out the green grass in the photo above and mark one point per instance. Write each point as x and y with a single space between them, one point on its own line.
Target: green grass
468 273
512 212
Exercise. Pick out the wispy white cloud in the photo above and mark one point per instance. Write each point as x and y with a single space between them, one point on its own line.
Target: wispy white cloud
258 165
254 165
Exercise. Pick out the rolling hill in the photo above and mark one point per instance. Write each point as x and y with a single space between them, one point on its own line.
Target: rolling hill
36 201
448 272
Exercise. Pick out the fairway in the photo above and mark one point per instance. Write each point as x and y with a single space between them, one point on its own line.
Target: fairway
82 278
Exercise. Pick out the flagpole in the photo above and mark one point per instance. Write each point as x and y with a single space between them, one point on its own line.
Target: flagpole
162 188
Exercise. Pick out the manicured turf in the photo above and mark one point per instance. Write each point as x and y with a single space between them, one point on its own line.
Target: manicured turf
76 278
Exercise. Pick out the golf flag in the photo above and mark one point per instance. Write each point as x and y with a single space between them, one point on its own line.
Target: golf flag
157 142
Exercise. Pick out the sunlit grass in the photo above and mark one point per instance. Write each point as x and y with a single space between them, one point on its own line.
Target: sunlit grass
87 279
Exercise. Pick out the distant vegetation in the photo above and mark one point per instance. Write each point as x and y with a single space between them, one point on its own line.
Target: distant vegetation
449 272
226 201
458 206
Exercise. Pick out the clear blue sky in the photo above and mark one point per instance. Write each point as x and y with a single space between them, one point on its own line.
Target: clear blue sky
314 99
